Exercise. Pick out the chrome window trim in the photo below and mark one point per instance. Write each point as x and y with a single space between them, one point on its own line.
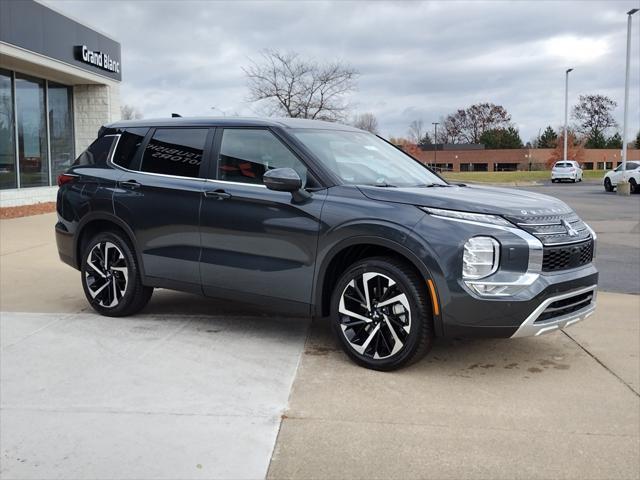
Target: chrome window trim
228 182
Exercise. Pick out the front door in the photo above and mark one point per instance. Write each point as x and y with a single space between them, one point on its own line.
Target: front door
160 199
256 241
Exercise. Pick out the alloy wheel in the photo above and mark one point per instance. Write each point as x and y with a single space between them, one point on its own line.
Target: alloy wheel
106 274
375 316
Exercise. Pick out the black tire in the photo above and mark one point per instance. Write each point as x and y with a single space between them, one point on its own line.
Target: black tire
607 185
382 342
633 186
114 290
553 180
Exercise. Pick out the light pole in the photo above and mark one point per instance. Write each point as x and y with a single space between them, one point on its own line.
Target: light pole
566 109
435 141
624 189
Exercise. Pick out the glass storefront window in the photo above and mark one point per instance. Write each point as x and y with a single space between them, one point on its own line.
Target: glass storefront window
7 133
60 129
32 132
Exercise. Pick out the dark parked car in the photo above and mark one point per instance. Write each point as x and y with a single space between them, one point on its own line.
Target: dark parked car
315 218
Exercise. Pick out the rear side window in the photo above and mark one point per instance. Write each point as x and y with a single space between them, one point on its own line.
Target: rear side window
130 141
97 153
175 151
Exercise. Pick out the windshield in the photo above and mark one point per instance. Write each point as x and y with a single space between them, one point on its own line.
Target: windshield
360 158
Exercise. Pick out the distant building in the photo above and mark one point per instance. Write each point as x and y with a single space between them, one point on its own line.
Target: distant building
475 158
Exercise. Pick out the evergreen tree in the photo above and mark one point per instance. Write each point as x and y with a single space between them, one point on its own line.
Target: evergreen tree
614 141
548 139
426 140
499 138
596 139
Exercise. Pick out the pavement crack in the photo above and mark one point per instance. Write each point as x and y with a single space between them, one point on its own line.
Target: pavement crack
585 350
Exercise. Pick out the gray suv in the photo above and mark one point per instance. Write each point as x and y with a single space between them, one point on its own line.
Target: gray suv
314 218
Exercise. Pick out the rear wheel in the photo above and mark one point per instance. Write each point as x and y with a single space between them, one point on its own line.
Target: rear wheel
111 278
381 315
607 185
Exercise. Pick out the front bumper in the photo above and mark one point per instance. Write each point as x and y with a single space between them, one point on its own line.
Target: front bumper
571 307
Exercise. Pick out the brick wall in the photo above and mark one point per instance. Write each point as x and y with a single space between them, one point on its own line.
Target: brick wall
593 158
94 105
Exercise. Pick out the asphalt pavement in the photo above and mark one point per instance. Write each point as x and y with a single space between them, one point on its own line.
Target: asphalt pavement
616 220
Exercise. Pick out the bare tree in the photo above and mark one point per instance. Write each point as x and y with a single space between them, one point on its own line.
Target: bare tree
129 112
467 125
593 114
366 121
300 88
416 131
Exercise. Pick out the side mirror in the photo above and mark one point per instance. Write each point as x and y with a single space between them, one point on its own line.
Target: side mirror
282 180
286 180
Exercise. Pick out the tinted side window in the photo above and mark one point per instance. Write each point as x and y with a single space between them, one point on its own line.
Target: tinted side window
130 141
245 155
97 153
175 151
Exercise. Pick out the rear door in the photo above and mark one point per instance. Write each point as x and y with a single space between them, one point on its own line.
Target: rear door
159 196
257 242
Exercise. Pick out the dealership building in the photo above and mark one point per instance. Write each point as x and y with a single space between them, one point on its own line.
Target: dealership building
59 82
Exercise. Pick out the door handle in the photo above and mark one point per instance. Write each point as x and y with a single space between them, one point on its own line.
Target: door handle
132 184
218 194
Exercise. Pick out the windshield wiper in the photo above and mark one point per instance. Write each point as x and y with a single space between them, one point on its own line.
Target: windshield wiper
384 185
429 185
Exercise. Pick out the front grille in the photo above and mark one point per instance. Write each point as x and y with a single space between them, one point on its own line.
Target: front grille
567 256
565 306
554 229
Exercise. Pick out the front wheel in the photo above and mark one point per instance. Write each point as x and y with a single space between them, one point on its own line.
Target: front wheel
111 278
633 186
607 185
381 314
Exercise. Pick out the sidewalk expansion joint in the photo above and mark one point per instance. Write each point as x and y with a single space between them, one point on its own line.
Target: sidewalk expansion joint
584 349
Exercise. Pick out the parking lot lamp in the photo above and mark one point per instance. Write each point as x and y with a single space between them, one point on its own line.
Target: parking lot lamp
435 141
624 188
566 109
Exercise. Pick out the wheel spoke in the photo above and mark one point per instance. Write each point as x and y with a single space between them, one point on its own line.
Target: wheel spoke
361 349
397 343
402 298
94 294
98 271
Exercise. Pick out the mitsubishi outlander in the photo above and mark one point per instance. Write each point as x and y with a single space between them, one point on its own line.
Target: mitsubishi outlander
314 218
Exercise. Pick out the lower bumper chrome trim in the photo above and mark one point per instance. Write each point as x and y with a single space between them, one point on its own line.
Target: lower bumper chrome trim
529 328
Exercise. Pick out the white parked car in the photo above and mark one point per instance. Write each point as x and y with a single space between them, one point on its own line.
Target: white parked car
569 170
632 174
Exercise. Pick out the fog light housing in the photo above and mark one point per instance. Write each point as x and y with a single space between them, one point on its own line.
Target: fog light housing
481 258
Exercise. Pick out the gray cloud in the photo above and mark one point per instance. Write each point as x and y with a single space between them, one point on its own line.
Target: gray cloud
417 60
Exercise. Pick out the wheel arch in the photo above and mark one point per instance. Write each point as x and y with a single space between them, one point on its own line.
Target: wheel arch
97 222
350 250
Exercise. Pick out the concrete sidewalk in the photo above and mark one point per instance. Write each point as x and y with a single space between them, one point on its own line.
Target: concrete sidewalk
565 405
193 388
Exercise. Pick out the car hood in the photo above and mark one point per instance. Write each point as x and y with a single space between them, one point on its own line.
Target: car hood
478 199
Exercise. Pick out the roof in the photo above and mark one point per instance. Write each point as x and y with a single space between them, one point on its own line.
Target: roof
232 122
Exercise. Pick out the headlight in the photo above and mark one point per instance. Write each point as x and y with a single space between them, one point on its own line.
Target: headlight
468 216
480 258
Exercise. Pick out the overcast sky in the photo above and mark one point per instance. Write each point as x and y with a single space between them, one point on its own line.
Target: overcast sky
416 60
